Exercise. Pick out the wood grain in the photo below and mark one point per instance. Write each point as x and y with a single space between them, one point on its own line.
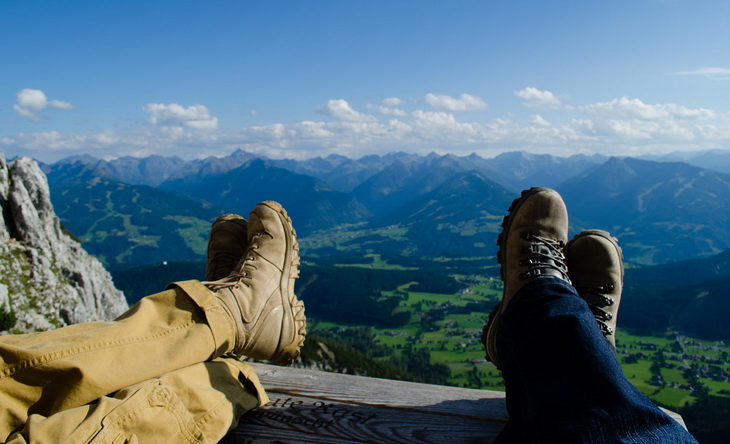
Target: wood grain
315 406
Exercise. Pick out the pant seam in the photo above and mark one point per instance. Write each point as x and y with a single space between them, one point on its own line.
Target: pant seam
211 306
229 397
74 351
214 309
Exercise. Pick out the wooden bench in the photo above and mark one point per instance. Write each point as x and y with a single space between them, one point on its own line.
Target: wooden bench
315 406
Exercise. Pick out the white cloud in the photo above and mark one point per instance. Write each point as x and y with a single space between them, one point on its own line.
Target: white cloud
441 119
391 111
465 103
387 111
536 97
392 101
48 140
537 119
32 101
174 115
636 109
711 72
341 110
616 126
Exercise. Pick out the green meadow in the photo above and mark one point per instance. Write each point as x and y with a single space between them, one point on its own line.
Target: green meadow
670 369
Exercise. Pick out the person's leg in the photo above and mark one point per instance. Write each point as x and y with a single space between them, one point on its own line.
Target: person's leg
199 403
563 381
48 372
252 312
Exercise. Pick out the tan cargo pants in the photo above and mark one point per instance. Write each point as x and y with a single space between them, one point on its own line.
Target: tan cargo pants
155 374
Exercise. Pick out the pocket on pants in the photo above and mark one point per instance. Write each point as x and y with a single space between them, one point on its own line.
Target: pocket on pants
149 412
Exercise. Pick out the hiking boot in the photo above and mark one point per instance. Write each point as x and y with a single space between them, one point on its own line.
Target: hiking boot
531 246
226 245
259 294
595 264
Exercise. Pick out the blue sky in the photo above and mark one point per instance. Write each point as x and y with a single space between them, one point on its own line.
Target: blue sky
303 79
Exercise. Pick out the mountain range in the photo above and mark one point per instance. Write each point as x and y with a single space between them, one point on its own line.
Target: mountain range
669 214
404 204
660 211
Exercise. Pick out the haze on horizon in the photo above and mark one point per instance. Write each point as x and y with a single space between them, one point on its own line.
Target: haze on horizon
305 79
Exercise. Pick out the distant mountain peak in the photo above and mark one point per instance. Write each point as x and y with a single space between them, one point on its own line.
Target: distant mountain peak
240 152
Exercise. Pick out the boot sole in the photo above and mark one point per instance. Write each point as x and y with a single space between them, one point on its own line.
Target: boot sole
489 331
294 316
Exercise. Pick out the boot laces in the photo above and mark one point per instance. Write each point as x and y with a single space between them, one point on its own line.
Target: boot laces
546 254
597 299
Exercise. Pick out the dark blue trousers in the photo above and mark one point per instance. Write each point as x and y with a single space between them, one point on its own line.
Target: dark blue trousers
563 380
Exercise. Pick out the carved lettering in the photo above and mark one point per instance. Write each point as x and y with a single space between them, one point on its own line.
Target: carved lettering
275 409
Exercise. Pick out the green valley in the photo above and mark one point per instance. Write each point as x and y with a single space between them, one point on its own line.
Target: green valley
671 369
441 341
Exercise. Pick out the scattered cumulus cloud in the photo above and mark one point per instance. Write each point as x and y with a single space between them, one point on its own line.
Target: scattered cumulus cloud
341 110
437 119
538 98
467 102
392 101
174 115
32 101
387 111
617 126
537 119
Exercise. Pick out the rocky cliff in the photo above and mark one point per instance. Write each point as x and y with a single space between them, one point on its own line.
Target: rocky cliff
46 279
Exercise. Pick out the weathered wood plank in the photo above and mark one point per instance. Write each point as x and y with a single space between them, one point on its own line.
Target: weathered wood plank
311 419
314 406
484 404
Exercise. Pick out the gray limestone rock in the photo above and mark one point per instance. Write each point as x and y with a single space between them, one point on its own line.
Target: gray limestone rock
50 280
4 190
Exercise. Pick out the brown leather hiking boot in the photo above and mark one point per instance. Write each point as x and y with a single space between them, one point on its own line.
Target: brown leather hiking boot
259 294
226 245
531 246
595 264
